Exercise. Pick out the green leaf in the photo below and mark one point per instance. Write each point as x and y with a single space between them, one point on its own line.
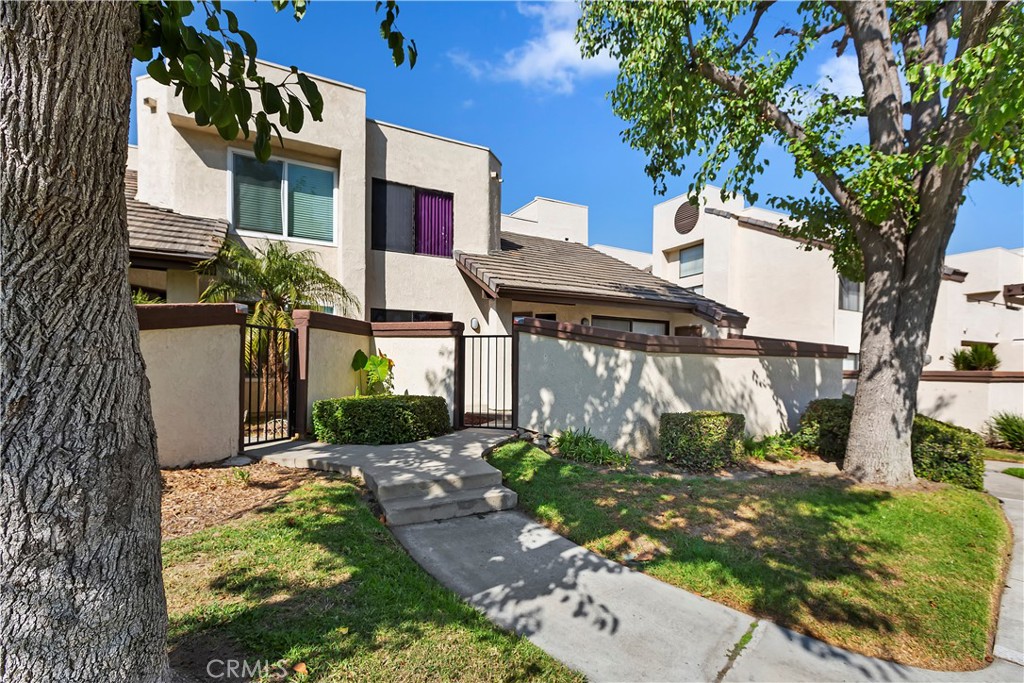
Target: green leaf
229 130
295 114
232 21
240 103
191 38
359 360
212 23
191 99
271 98
313 97
261 145
158 71
197 70
141 52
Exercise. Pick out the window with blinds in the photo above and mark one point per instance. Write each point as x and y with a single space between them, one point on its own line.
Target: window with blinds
691 260
282 198
851 295
411 220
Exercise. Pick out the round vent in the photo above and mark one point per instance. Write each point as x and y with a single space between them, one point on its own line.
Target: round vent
686 217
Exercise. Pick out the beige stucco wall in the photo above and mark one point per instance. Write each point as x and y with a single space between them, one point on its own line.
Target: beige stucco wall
423 366
619 394
967 404
329 363
431 283
549 218
194 375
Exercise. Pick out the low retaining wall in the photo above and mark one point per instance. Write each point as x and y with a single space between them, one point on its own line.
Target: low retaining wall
618 384
966 399
192 354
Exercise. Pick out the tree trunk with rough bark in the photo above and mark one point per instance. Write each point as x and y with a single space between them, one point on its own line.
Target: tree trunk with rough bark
81 595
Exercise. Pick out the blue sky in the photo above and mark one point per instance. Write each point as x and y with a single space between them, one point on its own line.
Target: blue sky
508 76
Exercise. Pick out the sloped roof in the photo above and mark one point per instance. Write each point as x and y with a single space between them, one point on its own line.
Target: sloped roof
162 233
534 266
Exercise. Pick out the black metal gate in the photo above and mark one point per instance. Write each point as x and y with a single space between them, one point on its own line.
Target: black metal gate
488 385
269 357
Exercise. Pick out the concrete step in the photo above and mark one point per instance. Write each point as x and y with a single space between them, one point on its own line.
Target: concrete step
479 475
428 508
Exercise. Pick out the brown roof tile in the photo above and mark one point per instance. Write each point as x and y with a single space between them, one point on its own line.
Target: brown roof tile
153 231
528 265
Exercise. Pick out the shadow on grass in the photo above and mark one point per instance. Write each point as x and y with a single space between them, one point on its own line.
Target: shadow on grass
317 579
766 546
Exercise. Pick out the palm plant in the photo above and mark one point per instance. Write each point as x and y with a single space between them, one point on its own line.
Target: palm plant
273 281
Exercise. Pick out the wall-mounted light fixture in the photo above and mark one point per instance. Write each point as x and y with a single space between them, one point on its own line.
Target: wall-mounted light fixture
585 321
149 102
474 324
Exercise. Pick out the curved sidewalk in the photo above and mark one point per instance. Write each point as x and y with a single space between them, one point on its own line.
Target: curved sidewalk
614 624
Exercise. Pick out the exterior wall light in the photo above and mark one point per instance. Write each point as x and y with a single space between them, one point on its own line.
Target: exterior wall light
585 321
474 324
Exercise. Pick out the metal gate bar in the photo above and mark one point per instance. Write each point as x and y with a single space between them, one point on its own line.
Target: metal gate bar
269 358
487 361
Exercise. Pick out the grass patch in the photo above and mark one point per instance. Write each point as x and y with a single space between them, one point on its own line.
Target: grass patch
1015 472
1003 455
912 576
316 579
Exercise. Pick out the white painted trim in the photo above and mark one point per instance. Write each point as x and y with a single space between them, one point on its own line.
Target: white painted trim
283 237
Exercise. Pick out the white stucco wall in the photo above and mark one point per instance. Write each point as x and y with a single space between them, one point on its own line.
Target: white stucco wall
329 363
194 375
619 394
550 218
424 366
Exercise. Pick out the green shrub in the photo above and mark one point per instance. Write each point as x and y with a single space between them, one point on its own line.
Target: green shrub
940 451
703 440
975 357
582 446
773 447
1009 429
380 419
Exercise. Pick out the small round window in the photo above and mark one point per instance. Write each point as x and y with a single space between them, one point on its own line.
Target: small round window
686 217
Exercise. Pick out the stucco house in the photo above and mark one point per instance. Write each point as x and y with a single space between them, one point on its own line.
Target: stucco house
408 221
734 253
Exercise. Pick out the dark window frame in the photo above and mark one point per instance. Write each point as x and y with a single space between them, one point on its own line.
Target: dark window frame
398 315
594 318
379 227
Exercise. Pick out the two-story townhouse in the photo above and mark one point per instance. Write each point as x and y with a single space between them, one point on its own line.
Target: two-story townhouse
734 253
409 222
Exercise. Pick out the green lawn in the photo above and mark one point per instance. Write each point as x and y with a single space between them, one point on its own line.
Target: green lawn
911 576
318 580
1004 455
1015 472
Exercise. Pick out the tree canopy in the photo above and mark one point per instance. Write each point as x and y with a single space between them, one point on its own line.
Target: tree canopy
943 88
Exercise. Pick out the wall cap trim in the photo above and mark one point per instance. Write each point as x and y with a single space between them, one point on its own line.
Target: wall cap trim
316 320
667 344
434 328
171 316
983 376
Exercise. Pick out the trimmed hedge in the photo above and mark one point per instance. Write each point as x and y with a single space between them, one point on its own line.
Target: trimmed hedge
940 451
376 420
704 440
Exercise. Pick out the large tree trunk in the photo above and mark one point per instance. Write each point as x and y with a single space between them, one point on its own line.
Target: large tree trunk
81 596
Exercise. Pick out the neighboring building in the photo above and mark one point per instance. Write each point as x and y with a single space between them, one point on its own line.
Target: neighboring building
409 222
735 254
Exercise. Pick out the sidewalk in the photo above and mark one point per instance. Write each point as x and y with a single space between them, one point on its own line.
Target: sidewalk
614 624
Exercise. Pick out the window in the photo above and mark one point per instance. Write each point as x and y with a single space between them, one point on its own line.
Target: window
851 363
690 331
530 314
691 260
851 295
276 195
412 220
627 325
397 315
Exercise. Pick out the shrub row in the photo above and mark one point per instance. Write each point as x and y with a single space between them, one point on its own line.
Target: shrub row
376 420
940 451
703 440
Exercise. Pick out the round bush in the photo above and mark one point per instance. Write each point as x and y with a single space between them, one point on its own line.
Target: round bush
702 441
376 420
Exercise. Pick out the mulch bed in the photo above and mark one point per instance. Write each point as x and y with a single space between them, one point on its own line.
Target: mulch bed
194 499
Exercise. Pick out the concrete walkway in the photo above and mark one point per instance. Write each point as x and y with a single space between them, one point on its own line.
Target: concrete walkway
614 624
414 482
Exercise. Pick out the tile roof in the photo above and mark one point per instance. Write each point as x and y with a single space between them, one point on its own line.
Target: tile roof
162 233
528 265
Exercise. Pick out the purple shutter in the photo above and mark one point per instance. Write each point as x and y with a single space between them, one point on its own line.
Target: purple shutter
434 223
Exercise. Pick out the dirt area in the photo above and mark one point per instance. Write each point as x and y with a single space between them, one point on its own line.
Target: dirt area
194 499
748 469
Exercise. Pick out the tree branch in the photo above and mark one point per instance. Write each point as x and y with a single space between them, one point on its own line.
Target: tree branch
784 123
759 11
824 31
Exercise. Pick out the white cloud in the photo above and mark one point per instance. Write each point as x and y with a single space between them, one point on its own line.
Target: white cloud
550 61
840 76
